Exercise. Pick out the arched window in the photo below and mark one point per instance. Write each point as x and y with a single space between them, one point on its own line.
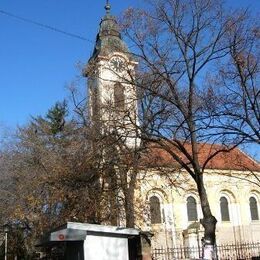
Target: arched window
119 97
224 209
192 209
155 209
253 208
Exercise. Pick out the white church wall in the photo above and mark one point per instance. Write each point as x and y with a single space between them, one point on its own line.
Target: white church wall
240 228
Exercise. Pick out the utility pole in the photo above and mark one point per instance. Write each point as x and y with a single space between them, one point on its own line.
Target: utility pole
6 230
6 245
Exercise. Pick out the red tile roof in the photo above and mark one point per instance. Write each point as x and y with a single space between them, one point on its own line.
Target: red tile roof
234 159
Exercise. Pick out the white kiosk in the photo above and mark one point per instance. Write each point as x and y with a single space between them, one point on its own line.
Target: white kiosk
95 242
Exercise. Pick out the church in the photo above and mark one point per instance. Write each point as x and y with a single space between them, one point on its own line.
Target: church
170 210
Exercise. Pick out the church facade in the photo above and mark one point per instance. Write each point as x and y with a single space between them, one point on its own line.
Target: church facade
170 209
174 210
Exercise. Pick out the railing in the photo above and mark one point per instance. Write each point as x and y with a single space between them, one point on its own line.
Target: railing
245 251
176 253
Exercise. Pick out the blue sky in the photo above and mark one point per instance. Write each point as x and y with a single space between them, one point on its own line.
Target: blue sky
36 63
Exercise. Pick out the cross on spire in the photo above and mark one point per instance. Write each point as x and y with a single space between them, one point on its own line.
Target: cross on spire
108 7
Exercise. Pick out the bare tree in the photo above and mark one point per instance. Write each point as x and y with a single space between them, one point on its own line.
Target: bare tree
119 164
53 172
176 44
63 170
236 91
238 78
7 195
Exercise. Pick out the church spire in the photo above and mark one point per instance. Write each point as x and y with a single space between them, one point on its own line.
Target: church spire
109 38
113 102
108 7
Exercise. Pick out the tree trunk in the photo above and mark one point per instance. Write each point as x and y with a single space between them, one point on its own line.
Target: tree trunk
113 198
208 222
129 207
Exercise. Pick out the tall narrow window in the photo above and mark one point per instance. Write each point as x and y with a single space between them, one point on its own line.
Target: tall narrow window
253 208
119 97
95 107
224 209
192 209
155 209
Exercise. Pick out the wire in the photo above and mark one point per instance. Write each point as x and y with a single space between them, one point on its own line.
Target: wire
44 26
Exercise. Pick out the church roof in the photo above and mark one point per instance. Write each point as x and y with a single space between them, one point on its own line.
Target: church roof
234 159
109 38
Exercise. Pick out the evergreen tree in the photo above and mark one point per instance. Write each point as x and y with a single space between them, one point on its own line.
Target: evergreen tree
56 117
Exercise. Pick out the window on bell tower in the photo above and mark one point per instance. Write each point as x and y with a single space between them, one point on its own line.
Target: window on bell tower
119 97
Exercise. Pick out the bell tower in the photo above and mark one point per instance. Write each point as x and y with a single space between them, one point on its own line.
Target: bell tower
111 76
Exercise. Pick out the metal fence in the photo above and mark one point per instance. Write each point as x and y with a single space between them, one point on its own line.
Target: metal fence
242 251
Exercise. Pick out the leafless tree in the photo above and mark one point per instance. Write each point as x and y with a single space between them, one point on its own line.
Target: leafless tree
119 164
61 170
237 79
176 44
7 196
54 177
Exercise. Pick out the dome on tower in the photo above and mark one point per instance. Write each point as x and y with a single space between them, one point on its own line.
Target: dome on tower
109 38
